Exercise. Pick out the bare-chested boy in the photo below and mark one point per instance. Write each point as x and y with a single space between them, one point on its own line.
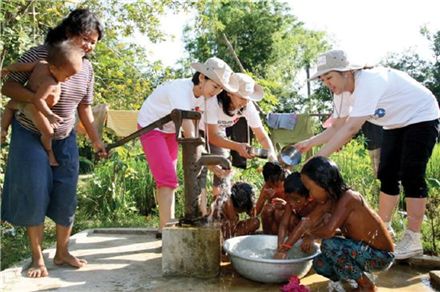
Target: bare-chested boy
272 200
241 200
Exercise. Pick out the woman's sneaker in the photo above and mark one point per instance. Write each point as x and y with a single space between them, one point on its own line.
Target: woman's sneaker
409 246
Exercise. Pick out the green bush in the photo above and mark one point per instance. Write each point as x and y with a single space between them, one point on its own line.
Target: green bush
119 187
431 230
122 186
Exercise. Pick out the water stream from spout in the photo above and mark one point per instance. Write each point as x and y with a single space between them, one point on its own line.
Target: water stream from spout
216 205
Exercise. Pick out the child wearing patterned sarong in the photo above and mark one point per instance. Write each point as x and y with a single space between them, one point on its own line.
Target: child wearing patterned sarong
365 245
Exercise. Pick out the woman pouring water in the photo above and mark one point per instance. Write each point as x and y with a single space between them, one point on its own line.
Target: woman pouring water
225 110
409 114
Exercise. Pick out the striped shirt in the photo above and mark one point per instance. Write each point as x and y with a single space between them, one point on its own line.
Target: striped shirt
77 90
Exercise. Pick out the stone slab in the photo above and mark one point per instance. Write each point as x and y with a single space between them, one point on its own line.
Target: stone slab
191 251
425 261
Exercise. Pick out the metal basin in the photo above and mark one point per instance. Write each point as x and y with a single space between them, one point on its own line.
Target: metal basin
251 256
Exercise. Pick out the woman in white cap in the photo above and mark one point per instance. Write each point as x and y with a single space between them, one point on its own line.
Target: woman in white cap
160 145
224 111
409 115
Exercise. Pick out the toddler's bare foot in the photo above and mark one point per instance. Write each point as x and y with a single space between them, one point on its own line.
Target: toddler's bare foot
70 260
52 160
37 269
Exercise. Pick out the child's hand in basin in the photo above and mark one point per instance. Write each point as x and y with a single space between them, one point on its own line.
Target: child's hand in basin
307 244
280 255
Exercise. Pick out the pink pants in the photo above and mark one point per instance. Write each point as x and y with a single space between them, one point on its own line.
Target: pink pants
161 151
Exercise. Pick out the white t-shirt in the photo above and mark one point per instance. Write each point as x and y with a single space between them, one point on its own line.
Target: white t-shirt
214 114
173 94
342 104
404 100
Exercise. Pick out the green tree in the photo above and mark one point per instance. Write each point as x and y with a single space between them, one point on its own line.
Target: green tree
411 63
124 75
433 83
271 43
24 24
426 72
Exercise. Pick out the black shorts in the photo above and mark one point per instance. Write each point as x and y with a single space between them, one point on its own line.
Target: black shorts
405 153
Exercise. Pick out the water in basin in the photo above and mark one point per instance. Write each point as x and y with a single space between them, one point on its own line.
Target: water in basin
268 253
252 257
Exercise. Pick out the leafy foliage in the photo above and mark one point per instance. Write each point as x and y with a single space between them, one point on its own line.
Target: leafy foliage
409 62
123 186
269 41
24 24
120 186
124 75
426 72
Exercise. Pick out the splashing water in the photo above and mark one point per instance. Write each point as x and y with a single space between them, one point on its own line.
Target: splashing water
372 235
216 206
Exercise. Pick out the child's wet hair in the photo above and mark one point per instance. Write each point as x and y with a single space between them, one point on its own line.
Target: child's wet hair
63 53
273 172
242 196
293 184
325 173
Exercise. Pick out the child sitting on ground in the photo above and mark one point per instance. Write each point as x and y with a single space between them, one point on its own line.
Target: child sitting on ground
241 200
63 61
272 200
299 205
366 245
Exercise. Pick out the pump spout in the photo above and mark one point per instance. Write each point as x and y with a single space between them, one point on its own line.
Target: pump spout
214 160
193 175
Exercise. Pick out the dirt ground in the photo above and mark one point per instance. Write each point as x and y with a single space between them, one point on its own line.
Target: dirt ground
131 260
